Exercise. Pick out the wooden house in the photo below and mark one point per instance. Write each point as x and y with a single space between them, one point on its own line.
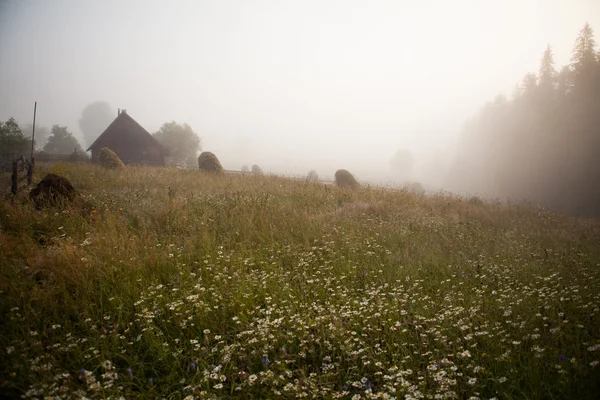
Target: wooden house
130 141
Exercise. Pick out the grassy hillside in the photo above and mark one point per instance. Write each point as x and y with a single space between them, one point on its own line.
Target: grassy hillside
174 283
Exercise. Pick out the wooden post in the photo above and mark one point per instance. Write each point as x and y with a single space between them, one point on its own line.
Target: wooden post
33 130
15 177
30 171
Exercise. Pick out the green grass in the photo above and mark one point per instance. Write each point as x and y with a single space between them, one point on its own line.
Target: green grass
243 286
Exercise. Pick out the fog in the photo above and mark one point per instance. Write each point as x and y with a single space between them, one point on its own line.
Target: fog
288 85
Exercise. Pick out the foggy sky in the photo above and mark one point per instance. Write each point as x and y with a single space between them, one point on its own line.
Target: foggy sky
290 85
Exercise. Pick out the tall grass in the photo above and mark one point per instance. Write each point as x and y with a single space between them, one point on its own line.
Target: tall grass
174 284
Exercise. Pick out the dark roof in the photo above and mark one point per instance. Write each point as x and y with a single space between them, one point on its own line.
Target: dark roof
128 133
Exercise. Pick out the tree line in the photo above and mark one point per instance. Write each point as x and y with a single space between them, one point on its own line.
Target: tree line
544 143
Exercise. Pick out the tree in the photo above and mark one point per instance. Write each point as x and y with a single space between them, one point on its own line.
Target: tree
584 49
95 118
61 141
183 143
41 135
12 140
564 81
529 85
584 59
547 71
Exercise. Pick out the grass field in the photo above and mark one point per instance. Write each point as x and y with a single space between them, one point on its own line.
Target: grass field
178 284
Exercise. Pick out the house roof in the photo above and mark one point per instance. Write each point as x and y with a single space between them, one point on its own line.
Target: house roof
127 132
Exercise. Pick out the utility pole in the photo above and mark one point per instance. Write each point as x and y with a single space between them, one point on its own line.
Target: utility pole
33 130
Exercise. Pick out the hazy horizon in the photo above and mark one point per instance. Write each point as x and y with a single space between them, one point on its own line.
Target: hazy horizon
291 86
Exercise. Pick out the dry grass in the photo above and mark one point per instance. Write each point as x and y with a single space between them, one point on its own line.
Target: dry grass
177 283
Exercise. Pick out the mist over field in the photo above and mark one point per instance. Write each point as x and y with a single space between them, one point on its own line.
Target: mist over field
394 91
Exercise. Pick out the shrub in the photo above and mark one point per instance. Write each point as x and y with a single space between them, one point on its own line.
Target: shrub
344 178
256 170
312 176
209 162
108 159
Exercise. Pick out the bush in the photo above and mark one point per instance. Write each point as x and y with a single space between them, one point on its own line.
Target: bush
256 170
312 176
344 178
209 162
108 159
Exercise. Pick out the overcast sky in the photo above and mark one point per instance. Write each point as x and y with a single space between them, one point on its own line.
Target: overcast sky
290 85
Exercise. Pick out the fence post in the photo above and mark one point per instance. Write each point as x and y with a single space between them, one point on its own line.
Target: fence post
30 171
15 177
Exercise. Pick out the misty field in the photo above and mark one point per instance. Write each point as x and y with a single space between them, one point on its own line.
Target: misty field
181 284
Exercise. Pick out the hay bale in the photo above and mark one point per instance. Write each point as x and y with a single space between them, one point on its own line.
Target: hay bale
209 162
53 190
344 178
256 170
312 176
108 159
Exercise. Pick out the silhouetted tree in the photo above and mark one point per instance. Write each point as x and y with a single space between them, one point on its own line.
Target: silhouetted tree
183 144
547 71
95 118
61 141
12 140
584 58
564 81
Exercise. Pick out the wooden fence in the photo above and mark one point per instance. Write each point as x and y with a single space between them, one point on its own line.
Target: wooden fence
22 171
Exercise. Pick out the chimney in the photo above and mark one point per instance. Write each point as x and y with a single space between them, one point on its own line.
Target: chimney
124 111
118 112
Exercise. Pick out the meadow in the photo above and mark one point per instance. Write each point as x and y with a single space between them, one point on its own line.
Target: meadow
180 284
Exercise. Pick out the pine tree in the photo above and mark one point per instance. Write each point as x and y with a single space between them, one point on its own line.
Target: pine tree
584 58
547 71
564 81
529 85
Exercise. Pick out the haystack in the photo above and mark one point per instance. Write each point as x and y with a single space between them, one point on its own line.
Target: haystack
344 178
209 162
108 159
53 190
256 170
312 176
